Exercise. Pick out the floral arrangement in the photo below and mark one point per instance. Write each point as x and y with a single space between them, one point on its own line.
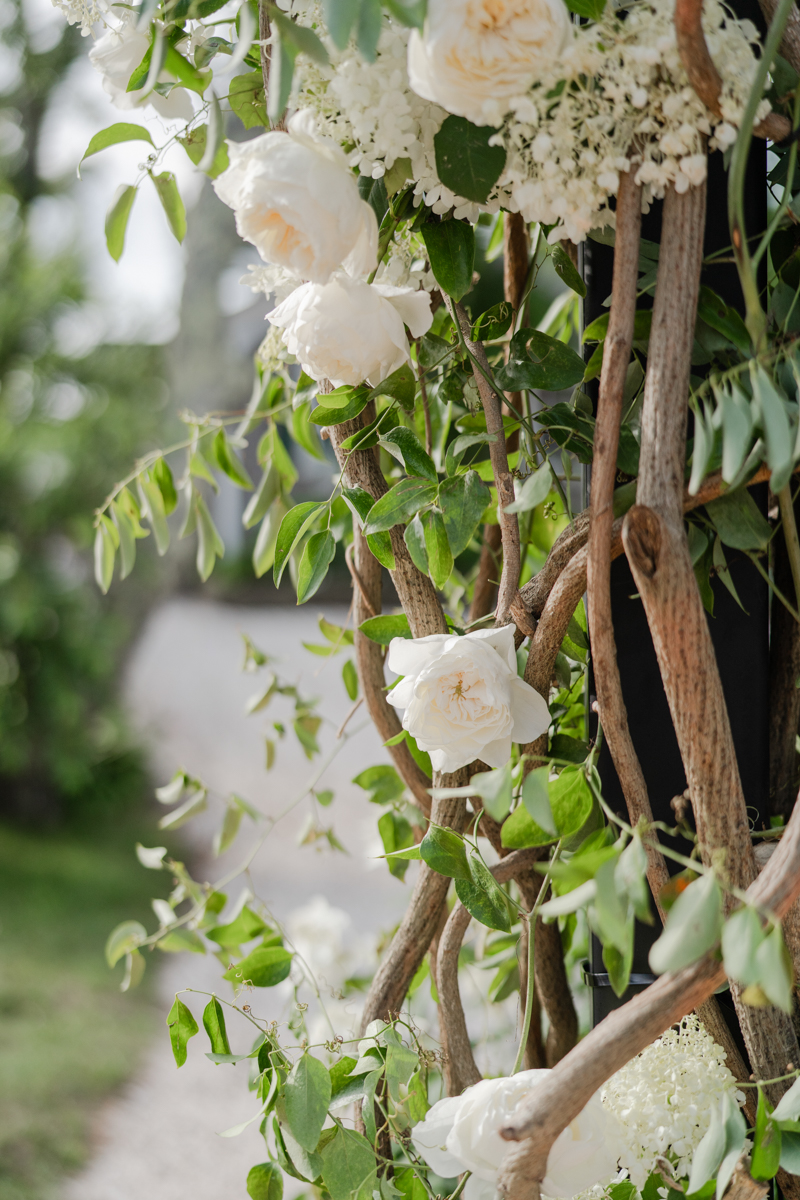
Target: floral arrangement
377 141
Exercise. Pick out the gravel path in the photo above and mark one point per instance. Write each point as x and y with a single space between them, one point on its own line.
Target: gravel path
185 689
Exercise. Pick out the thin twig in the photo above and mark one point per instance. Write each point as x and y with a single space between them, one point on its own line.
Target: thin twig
526 1020
357 580
790 536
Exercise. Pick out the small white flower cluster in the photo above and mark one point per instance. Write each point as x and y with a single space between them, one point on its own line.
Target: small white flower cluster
406 263
370 110
624 97
85 13
663 1099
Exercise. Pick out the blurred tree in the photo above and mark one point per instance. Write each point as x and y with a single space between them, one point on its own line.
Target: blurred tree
69 426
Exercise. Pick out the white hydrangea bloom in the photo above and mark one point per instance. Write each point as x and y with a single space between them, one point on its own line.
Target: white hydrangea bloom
663 1099
85 13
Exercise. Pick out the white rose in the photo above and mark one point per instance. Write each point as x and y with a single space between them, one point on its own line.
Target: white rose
349 331
297 202
463 698
116 55
462 1134
475 55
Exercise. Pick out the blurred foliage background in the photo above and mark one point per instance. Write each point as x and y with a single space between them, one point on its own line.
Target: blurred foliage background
72 786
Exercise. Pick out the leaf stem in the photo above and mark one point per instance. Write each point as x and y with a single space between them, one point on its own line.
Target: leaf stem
532 915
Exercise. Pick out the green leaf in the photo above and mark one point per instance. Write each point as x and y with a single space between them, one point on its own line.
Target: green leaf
248 99
382 629
465 162
350 679
414 538
739 521
227 461
117 219
307 1094
400 502
693 927
790 1151
340 16
178 941
162 475
171 202
789 1104
226 835
302 432
265 1182
401 1063
330 414
341 397
209 544
404 444
396 834
302 39
122 940
451 250
265 966
382 782
494 789
380 544
121 132
244 927
153 509
186 72
214 1025
592 9
716 313
493 323
261 500
318 554
709 1153
630 879
105 549
482 897
737 427
293 526
536 798
348 1166
539 361
195 144
533 490
570 804
775 974
566 270
463 500
264 549
766 1154
742 934
440 556
182 1026
444 852
775 423
401 385
281 73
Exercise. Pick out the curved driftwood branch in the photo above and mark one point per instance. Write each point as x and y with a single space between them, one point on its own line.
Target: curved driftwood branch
460 1068
626 1032
704 76
509 526
616 357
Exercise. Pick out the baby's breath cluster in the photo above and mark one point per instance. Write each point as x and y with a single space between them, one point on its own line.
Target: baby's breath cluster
85 13
620 94
663 1099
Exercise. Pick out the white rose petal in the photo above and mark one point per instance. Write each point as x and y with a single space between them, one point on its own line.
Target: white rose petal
463 698
474 56
349 331
116 55
297 202
463 1134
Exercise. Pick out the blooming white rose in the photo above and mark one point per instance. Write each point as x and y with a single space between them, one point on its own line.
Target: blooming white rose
297 202
473 56
349 331
463 698
462 1133
116 55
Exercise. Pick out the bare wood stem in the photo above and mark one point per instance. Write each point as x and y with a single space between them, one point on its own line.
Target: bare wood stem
509 526
704 76
264 33
483 597
625 1032
784 695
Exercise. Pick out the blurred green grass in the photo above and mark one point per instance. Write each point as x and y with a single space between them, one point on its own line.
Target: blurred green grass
68 1036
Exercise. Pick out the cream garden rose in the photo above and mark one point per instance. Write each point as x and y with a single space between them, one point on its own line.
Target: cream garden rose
297 202
116 55
349 331
462 1133
474 56
463 698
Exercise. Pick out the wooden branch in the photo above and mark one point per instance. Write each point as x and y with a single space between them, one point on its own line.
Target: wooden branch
790 44
743 1186
484 595
509 526
264 33
515 258
703 75
460 1069
417 593
552 984
658 553
616 357
626 1032
784 696
421 920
